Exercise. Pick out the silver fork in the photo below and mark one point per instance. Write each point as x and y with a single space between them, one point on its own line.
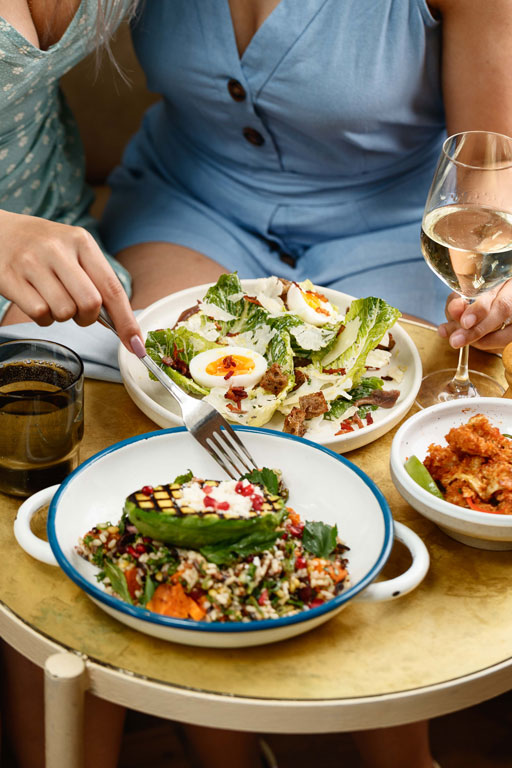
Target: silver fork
204 423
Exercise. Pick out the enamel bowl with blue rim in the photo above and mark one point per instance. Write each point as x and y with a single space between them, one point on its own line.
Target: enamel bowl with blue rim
323 487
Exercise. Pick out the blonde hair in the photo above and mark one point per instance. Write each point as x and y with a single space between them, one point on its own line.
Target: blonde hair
110 15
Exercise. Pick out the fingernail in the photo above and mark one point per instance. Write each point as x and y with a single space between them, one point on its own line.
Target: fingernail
137 346
457 339
468 321
442 332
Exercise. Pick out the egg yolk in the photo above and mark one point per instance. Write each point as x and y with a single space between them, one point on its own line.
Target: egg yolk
315 300
231 364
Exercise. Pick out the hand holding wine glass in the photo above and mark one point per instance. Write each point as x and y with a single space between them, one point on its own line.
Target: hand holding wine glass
466 240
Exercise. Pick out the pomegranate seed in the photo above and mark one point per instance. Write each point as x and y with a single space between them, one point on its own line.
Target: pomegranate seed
209 501
207 489
300 562
247 490
223 505
263 598
257 502
239 487
147 490
133 552
316 602
140 548
296 530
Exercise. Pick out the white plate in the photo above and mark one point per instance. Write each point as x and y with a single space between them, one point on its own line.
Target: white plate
323 486
159 406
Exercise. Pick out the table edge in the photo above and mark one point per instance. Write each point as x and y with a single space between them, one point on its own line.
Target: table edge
262 714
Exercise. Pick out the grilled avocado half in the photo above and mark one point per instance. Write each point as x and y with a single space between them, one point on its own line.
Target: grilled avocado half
160 513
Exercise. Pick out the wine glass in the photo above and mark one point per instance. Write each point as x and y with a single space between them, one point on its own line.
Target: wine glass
466 239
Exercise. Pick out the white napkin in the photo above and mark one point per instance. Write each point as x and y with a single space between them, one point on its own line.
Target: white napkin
96 345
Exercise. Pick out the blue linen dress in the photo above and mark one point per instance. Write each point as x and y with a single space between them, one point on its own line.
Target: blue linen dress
41 155
309 156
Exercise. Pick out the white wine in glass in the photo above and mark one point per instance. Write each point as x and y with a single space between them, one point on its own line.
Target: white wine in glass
466 239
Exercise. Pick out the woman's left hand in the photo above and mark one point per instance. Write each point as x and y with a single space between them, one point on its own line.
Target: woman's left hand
483 324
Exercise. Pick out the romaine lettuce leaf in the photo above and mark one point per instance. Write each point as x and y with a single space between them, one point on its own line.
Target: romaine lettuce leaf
365 324
365 387
181 344
218 294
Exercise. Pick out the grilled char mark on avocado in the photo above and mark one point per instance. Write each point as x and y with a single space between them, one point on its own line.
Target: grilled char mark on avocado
171 499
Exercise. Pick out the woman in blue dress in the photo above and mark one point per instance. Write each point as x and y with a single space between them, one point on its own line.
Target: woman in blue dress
298 139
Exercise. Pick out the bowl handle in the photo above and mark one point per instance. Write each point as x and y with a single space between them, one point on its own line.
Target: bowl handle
400 585
27 540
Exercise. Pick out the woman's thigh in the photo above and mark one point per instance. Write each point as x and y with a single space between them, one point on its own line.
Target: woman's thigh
160 268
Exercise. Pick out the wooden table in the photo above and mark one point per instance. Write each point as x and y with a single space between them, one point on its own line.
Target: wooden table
445 646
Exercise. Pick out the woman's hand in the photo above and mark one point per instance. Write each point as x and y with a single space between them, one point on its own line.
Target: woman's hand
57 272
484 324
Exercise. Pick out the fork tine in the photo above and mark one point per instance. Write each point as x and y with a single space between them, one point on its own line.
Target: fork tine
225 452
220 461
231 449
230 432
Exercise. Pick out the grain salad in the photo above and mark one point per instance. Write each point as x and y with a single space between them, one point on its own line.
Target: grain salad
248 556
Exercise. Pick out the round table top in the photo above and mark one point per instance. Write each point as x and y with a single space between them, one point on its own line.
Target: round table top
458 622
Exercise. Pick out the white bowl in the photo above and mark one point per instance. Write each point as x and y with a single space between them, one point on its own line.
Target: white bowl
158 405
478 529
323 486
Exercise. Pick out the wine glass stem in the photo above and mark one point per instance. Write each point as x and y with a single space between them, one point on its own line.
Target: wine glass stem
460 382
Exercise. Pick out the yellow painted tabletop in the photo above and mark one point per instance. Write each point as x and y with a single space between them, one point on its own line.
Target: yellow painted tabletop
458 622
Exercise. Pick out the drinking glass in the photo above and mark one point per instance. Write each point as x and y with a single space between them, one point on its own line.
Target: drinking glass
466 239
41 414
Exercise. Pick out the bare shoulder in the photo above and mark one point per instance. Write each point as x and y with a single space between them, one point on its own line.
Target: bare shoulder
470 7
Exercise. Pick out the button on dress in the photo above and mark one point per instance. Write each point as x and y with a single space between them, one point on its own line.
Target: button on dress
41 157
309 156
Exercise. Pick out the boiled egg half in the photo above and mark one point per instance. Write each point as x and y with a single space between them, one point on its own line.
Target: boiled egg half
228 367
311 306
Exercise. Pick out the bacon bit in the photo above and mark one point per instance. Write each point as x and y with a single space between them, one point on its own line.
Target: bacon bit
228 362
234 408
237 394
232 334
253 300
356 419
345 426
369 419
341 328
341 371
387 378
175 362
228 375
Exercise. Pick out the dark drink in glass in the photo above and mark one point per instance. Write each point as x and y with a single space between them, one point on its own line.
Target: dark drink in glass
41 414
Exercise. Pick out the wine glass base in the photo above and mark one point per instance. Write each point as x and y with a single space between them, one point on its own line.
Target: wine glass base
435 387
